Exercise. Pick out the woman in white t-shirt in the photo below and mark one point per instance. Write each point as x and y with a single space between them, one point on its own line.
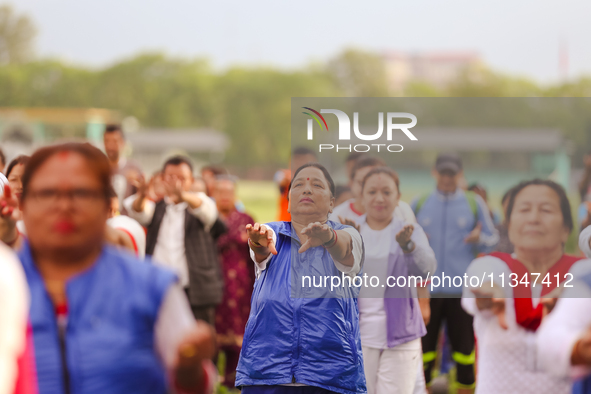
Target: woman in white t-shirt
390 319
508 313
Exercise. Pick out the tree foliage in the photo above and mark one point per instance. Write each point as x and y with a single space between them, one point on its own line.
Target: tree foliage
17 35
252 105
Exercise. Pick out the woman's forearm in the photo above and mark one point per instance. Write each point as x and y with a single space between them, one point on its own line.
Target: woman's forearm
8 231
342 250
260 252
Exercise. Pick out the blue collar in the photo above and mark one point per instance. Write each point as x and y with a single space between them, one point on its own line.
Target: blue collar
25 255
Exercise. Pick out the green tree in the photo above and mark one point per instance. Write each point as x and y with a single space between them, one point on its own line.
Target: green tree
359 73
17 35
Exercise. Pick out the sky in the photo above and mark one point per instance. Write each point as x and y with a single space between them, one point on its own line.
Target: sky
519 37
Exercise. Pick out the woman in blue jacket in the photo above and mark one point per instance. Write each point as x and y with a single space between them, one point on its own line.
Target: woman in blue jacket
302 335
103 321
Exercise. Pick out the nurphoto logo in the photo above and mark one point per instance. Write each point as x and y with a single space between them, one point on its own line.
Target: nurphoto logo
344 131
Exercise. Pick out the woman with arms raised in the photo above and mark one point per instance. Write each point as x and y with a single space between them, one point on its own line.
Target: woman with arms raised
300 338
508 313
390 317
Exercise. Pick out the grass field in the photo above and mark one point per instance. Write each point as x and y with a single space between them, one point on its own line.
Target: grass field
261 199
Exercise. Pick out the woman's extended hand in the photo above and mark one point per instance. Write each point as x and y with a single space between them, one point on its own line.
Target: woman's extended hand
9 214
349 222
197 346
486 300
581 354
318 234
403 236
260 237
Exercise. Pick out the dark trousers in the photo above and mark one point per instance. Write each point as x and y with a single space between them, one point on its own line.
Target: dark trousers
205 312
232 356
460 334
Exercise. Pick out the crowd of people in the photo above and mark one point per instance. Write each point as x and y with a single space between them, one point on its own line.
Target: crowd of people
112 281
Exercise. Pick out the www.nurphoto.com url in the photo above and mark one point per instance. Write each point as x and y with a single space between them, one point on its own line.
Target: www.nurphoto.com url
441 280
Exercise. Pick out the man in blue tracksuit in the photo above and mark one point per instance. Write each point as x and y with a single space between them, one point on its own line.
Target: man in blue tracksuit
459 227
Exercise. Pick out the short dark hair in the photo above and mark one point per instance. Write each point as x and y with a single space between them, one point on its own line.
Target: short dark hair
507 195
215 170
354 156
475 186
368 161
321 168
21 159
567 218
383 170
177 161
302 150
340 189
227 177
113 128
112 193
2 157
96 159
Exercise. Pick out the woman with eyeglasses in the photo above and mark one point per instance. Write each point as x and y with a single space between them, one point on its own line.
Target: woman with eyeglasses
102 321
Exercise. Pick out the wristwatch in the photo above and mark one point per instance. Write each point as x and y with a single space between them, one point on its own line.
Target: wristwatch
409 246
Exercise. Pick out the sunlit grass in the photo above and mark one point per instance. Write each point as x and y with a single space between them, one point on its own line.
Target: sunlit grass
261 199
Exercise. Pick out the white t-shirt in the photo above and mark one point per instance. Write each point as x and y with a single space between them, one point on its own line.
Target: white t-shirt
403 211
508 360
561 329
170 245
3 181
132 228
372 315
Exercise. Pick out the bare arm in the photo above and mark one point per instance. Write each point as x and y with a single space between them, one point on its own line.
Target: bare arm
260 241
337 242
342 251
142 190
8 217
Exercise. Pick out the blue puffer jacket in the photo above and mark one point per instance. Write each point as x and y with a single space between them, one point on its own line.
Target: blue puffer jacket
583 386
109 338
447 219
299 334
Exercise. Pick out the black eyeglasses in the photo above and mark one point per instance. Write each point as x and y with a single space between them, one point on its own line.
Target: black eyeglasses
79 197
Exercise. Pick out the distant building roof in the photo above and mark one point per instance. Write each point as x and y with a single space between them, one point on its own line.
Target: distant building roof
466 56
437 68
190 140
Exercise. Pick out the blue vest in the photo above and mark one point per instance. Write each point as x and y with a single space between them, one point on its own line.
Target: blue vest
109 339
583 386
299 334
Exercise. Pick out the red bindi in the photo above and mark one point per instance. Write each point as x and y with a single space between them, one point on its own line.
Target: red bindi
64 154
308 178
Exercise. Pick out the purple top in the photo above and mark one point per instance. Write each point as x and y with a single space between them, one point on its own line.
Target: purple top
403 313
